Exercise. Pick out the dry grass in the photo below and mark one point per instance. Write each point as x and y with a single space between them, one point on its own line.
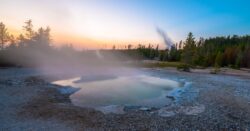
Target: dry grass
159 64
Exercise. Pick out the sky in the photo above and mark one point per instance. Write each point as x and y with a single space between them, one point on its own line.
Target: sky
103 23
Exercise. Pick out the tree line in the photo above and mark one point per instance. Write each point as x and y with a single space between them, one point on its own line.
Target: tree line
28 49
231 51
41 37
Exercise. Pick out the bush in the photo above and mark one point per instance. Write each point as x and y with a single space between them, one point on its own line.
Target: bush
183 67
234 67
215 70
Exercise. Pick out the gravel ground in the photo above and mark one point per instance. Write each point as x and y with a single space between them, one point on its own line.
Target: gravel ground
213 102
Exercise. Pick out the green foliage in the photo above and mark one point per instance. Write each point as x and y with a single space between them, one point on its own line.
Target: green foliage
215 70
239 59
24 50
149 52
163 56
218 51
29 32
184 67
218 59
162 64
230 51
4 36
189 50
174 54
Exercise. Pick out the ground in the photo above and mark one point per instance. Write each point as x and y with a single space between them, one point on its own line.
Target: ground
29 102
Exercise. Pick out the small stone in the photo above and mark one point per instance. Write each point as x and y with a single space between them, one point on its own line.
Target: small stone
116 109
193 110
165 113
171 97
144 109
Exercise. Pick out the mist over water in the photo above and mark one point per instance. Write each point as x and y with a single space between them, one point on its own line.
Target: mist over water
124 65
107 77
93 62
121 90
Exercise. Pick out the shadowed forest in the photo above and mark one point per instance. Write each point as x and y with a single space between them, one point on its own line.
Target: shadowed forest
35 47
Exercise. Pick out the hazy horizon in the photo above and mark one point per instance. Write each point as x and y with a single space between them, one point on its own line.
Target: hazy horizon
104 23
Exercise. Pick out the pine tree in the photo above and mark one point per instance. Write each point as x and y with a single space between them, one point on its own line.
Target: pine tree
29 29
218 59
189 49
4 35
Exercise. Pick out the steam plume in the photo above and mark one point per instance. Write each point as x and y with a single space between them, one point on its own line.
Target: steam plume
167 40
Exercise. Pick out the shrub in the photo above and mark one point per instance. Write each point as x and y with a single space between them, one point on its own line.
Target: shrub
183 67
215 70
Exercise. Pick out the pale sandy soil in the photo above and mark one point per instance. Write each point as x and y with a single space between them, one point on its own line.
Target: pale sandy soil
220 102
14 94
243 72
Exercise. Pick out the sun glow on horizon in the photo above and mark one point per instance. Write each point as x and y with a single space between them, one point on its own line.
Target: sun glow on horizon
104 23
89 27
93 40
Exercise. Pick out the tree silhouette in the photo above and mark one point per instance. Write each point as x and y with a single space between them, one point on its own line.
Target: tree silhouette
42 37
29 29
4 35
21 41
189 49
232 51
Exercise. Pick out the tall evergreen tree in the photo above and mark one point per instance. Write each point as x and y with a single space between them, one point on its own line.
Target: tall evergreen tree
4 35
189 49
29 29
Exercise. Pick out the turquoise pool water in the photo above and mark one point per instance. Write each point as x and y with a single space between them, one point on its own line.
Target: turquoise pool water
137 90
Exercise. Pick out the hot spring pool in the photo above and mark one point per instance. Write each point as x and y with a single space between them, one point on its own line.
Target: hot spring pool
140 90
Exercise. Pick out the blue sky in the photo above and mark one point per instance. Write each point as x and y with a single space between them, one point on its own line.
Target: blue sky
95 22
202 17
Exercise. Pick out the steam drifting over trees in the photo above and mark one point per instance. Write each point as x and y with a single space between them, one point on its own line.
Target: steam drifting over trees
232 51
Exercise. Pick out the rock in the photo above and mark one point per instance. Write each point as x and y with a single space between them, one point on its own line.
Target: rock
130 108
192 110
33 80
6 82
163 112
68 90
116 109
171 97
145 109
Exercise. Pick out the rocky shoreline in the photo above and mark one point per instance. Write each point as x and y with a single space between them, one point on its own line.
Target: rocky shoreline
32 103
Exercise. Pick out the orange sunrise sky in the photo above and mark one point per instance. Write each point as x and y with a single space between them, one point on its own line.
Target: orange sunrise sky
103 23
